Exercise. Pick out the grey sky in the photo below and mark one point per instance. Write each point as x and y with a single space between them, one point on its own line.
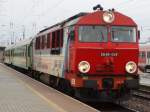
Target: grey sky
34 15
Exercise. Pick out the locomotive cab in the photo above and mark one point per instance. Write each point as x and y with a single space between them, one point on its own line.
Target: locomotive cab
103 54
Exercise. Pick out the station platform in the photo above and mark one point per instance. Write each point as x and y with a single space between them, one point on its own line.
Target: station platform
20 93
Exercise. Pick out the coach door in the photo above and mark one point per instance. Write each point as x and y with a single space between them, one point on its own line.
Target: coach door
29 55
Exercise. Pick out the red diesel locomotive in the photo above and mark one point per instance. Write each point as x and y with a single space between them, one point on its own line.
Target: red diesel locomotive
91 55
103 54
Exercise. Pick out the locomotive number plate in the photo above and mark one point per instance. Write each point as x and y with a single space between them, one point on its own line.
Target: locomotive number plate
107 54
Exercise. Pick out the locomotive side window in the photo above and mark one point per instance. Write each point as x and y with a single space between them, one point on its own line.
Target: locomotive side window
58 39
37 43
53 39
48 40
56 42
123 34
43 42
92 34
61 38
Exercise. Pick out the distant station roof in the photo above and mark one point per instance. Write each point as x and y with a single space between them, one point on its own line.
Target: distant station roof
2 48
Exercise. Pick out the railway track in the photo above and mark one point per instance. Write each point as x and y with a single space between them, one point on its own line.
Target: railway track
109 107
142 93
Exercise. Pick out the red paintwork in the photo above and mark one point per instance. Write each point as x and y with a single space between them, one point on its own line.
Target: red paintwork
98 63
97 19
91 52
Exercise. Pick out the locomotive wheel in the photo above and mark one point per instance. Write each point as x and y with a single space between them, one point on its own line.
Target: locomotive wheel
86 94
69 89
30 73
61 85
52 81
65 87
36 75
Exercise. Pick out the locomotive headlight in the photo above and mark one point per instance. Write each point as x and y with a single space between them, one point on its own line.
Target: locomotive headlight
84 66
131 67
108 17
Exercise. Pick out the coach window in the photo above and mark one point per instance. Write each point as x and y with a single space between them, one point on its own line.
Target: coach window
43 42
61 38
57 50
53 42
22 52
53 39
11 52
56 42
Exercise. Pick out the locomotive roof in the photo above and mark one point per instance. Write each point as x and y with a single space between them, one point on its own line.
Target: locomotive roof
94 18
22 43
65 21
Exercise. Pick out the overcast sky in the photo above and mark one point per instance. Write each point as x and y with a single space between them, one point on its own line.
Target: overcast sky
33 15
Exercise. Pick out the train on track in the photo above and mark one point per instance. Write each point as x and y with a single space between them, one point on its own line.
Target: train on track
90 55
144 57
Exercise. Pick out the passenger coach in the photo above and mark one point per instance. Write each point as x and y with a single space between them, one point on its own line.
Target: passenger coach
20 55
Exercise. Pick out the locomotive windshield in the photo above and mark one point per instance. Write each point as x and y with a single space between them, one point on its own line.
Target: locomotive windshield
123 34
92 34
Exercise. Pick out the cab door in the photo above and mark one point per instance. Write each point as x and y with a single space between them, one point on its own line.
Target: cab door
70 51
